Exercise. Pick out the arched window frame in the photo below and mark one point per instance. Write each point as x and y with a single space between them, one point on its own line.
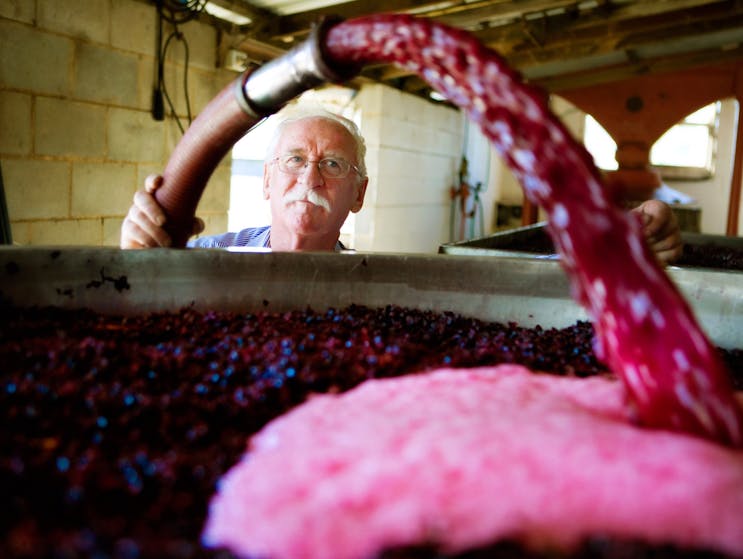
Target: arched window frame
672 152
694 139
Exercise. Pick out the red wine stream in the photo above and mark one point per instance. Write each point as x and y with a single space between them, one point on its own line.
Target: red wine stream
646 331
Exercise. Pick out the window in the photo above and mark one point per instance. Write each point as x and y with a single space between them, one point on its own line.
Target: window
600 144
685 152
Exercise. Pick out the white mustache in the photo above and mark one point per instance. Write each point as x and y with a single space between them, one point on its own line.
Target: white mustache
310 196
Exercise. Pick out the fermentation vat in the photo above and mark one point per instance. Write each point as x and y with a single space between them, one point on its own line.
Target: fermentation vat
528 291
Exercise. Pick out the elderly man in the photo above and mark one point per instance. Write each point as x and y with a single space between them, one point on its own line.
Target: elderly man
313 177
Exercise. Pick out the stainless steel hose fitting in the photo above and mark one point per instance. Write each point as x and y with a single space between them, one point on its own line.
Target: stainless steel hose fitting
265 90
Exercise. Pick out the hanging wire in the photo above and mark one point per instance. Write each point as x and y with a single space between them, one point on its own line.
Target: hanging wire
6 236
177 35
175 12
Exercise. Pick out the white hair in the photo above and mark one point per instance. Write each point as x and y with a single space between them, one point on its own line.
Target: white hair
296 112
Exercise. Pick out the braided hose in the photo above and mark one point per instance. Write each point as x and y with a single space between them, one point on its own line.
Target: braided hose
646 331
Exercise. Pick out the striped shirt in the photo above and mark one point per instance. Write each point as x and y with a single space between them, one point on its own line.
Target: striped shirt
251 237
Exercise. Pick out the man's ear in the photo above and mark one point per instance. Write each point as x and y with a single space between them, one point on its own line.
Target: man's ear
266 188
359 202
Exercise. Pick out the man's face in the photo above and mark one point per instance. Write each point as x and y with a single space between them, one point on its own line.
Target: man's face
309 203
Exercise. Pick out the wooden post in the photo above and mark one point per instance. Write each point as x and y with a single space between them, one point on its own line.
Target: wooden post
735 181
529 212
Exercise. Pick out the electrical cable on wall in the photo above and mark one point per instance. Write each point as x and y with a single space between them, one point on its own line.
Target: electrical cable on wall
6 237
178 36
174 12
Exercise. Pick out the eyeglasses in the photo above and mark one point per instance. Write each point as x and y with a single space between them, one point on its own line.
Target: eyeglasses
329 167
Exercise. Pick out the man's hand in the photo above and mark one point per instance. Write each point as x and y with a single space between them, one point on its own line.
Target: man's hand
661 230
143 225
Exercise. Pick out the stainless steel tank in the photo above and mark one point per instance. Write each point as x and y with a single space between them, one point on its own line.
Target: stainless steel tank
526 291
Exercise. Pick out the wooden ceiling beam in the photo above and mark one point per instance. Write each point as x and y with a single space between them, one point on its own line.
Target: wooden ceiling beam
669 63
566 41
613 23
297 25
563 45
502 13
466 15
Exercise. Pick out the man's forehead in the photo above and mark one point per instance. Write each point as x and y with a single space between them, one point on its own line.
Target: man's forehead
315 131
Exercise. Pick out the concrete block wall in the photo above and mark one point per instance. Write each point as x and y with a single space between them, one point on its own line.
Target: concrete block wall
77 137
414 148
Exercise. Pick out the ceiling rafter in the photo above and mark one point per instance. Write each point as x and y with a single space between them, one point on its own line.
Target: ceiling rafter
549 41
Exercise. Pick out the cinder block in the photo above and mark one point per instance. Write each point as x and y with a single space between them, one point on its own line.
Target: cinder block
371 130
106 76
134 136
202 45
15 123
36 189
19 232
412 107
80 232
372 170
205 78
401 134
70 128
102 189
426 227
173 134
444 143
202 89
216 196
143 171
363 223
442 168
18 10
134 26
370 99
215 224
370 196
174 84
443 117
205 87
438 132
412 178
34 61
87 19
112 231
372 160
405 164
146 82
393 103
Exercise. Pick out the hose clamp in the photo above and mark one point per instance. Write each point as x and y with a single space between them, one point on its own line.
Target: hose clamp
264 90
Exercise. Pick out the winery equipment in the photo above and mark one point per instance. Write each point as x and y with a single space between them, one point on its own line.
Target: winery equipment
701 250
527 291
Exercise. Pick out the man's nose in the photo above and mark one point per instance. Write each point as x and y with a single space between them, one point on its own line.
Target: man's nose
311 174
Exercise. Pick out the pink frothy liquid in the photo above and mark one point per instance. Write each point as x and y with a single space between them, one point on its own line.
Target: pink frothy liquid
646 331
